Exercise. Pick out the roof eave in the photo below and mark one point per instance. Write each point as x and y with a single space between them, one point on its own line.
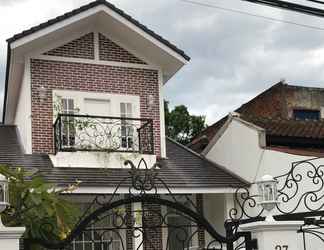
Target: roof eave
4 108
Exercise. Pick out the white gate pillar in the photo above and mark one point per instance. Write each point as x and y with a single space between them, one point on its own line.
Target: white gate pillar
10 236
275 235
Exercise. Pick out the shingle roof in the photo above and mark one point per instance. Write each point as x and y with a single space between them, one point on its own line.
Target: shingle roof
12 154
182 169
92 5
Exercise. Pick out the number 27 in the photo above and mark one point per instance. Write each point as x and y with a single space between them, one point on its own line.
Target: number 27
283 247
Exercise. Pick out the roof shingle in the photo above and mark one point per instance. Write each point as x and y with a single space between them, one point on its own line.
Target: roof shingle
182 169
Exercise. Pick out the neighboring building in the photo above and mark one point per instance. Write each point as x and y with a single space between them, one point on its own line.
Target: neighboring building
84 93
279 133
283 124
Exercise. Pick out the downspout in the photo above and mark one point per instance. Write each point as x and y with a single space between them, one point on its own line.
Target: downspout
6 82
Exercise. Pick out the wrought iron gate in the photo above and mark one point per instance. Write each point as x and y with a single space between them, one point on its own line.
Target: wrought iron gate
142 219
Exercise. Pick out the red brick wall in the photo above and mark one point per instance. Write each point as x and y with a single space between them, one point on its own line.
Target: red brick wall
152 236
88 77
110 51
82 47
270 104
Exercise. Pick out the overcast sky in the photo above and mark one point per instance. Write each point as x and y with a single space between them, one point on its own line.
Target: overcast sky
234 56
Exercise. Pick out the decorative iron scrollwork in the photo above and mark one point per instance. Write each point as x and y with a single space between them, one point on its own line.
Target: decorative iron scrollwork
74 132
110 220
301 189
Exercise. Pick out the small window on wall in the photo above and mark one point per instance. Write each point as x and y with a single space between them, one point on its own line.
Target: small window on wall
68 128
306 114
127 127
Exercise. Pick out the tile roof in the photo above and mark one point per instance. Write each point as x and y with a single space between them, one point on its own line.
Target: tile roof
182 169
289 127
274 122
92 5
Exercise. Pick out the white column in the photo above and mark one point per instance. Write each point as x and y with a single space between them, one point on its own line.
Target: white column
275 235
9 237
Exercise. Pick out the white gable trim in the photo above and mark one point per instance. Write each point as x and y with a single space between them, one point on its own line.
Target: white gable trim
54 27
78 34
98 62
221 131
123 46
61 42
88 13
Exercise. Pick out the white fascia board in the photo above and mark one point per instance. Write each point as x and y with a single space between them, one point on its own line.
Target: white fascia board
124 190
143 34
54 27
88 13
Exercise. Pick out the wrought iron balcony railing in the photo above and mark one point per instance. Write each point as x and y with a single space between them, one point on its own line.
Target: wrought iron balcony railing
73 132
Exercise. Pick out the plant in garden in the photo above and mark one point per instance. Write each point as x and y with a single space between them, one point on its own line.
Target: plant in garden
38 206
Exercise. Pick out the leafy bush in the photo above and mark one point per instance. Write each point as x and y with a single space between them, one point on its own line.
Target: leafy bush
38 206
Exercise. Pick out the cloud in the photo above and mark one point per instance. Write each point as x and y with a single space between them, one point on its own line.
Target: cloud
234 57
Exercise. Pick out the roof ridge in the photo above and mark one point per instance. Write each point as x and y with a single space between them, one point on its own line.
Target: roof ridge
89 6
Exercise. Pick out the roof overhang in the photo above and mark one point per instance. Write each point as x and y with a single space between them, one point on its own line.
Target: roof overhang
138 37
174 190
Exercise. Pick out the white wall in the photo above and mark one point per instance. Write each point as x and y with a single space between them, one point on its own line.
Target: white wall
99 159
238 150
23 112
214 207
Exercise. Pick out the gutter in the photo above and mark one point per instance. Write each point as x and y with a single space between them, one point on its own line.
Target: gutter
6 83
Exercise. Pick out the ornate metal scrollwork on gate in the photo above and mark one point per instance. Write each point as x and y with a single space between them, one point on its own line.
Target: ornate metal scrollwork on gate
301 189
142 219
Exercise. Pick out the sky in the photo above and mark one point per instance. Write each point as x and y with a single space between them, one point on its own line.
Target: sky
234 56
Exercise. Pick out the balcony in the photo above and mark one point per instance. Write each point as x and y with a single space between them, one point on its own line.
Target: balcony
73 132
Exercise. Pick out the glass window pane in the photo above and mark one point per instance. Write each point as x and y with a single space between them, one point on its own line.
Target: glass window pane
71 105
129 109
122 109
64 104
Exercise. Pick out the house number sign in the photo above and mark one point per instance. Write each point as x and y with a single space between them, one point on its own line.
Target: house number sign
281 247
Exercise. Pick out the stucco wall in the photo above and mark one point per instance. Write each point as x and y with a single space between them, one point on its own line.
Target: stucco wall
238 150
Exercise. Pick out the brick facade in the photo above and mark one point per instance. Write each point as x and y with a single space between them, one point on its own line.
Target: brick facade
270 104
55 75
110 51
152 236
82 47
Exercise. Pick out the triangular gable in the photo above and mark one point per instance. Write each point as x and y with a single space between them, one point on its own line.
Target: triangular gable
82 47
110 51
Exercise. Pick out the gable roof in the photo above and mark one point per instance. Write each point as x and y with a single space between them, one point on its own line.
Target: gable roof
92 5
279 130
182 169
169 56
201 140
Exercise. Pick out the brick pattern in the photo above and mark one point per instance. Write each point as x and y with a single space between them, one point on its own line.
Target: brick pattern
88 77
110 51
201 232
129 223
270 104
82 47
153 236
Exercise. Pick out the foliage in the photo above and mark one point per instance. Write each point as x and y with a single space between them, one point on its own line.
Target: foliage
182 126
38 206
